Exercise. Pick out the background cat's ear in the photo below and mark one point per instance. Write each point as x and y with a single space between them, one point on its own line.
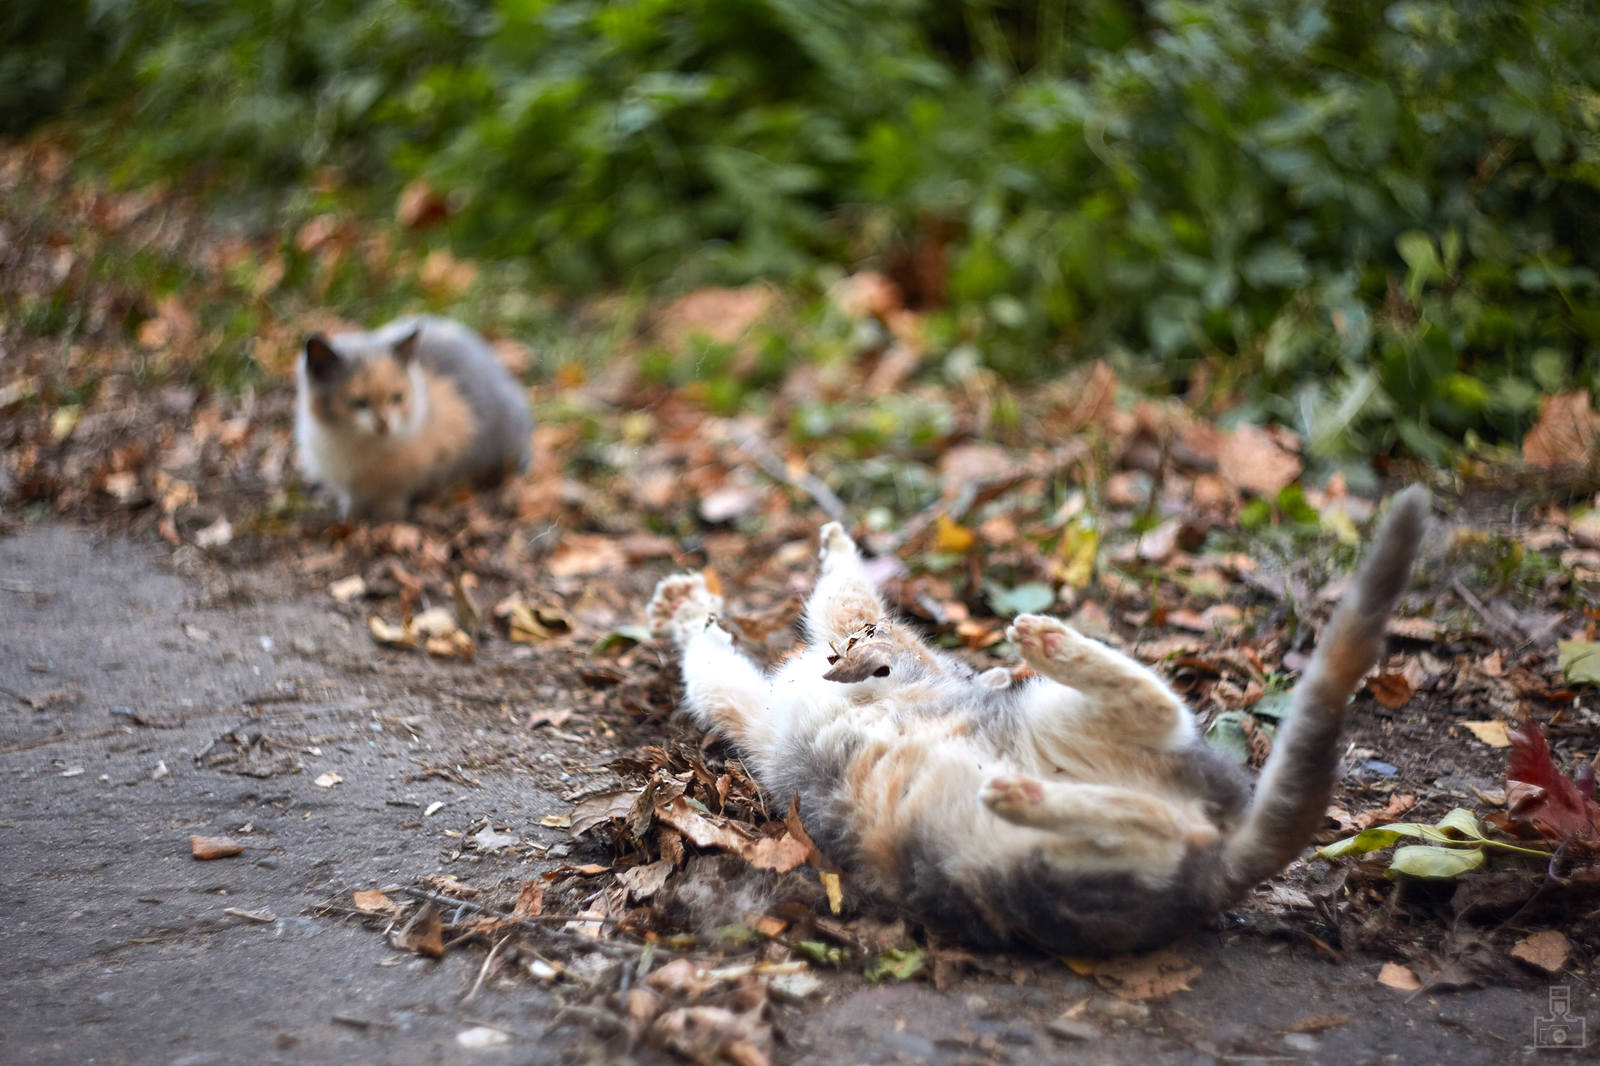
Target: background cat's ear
858 664
405 349
321 360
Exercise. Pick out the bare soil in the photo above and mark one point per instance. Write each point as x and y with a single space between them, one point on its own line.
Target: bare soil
148 695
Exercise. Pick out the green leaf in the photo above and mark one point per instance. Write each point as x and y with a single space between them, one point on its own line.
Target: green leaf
898 964
1434 864
1464 822
621 637
1029 598
1580 660
819 952
1382 836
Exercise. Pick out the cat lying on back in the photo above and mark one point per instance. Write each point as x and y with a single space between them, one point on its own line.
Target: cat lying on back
1077 811
419 405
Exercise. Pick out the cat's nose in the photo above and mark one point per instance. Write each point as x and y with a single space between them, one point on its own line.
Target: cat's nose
383 426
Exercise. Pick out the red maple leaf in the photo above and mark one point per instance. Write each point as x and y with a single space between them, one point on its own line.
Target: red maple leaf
1541 800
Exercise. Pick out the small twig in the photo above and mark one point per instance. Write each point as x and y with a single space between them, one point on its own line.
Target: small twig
535 923
1509 633
483 971
774 467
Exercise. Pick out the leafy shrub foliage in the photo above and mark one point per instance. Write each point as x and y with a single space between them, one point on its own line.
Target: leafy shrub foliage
1375 220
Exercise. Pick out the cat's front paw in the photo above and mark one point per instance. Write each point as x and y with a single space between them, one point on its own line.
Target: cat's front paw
835 543
1040 637
1012 796
681 604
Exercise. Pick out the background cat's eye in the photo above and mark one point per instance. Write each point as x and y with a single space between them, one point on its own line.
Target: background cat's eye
359 404
399 398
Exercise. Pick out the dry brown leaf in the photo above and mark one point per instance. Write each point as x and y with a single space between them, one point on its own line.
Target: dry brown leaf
702 831
1250 458
1391 690
645 881
1546 950
780 854
530 900
721 315
214 847
1492 733
424 934
1152 976
1393 975
1565 434
708 1034
372 901
586 554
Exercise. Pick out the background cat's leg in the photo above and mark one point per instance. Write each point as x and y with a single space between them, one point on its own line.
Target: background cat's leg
1111 691
723 690
1103 818
845 598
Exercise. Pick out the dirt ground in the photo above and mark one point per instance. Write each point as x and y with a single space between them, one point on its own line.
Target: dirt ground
148 695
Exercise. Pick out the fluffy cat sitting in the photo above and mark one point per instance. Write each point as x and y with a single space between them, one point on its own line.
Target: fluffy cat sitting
418 405
1077 811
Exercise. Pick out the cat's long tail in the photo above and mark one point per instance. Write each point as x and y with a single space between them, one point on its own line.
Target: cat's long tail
1292 795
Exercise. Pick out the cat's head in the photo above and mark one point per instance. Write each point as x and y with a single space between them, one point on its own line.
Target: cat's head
870 652
369 393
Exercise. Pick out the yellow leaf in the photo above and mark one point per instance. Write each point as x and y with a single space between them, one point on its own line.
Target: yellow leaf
1492 733
952 536
830 883
1079 545
1081 967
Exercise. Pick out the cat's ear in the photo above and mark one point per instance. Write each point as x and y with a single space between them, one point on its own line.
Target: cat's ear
322 362
405 349
858 664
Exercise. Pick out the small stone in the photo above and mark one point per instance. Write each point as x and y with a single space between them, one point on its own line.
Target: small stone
1302 1041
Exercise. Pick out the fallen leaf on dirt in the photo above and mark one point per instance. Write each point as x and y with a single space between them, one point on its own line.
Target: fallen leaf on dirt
721 315
214 847
702 831
391 636
327 780
1317 1023
1152 976
1547 950
488 839
348 588
550 716
424 934
898 964
1391 690
708 1034
452 645
1393 975
645 881
780 854
951 537
1540 798
584 555
1252 459
1492 733
372 901
1580 660
593 810
1565 434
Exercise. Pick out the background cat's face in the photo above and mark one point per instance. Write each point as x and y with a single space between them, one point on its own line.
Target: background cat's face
374 397
370 396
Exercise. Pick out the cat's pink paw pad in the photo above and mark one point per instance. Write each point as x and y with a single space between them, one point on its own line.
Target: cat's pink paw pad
1038 634
1009 795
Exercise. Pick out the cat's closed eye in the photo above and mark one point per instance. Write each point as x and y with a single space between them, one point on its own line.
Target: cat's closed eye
358 404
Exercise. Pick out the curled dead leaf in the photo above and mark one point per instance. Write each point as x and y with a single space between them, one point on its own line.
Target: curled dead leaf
1393 975
214 847
1546 950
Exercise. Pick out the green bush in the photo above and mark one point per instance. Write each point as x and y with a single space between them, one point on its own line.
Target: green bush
1377 221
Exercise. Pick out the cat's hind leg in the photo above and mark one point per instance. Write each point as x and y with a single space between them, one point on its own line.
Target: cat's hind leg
845 598
1114 693
723 690
1103 819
